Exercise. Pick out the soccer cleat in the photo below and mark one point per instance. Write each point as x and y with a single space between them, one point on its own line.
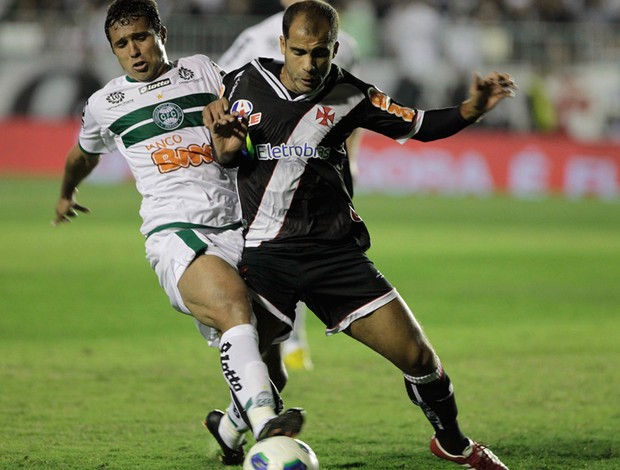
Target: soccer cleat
228 456
288 423
475 455
298 359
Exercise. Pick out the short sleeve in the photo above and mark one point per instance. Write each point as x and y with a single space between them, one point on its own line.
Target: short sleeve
92 138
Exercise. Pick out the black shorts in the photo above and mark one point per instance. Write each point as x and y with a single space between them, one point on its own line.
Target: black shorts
337 282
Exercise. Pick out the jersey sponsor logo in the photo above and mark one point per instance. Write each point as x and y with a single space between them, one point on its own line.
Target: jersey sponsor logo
384 102
325 116
243 107
115 97
172 159
278 152
185 73
231 374
168 116
154 86
166 142
255 119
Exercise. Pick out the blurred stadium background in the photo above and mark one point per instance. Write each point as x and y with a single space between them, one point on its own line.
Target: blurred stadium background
560 135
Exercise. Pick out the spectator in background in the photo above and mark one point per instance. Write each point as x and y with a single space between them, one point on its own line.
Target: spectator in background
413 32
200 7
360 19
263 40
555 11
541 107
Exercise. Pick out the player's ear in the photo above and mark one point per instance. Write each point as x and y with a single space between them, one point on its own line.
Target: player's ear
336 46
282 45
163 34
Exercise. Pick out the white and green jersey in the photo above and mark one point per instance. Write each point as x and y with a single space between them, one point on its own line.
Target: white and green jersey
157 126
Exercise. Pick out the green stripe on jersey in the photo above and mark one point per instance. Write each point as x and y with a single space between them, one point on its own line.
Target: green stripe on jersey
150 129
186 225
192 241
145 114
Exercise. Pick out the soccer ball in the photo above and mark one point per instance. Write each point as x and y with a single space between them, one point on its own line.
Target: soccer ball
281 453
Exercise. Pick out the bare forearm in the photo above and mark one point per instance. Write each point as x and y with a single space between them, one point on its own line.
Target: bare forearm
77 167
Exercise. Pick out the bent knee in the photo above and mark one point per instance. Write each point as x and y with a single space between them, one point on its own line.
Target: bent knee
420 360
223 316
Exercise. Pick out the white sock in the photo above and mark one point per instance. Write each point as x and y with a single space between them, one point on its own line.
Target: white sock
232 427
247 375
235 418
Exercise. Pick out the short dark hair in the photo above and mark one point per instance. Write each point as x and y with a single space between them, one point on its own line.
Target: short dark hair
126 11
314 9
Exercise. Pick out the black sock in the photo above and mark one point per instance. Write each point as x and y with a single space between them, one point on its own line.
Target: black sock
434 394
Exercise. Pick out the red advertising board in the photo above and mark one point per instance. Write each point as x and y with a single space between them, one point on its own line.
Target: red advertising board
36 147
477 162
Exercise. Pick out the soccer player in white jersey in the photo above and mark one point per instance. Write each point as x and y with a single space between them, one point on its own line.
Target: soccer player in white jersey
303 236
190 208
262 40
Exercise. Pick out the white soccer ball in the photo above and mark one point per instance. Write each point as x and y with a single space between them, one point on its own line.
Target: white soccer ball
281 453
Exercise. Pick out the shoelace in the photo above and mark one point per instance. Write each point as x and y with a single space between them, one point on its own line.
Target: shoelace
482 458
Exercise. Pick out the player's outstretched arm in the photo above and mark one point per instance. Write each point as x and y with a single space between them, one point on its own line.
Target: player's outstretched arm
228 131
77 167
485 93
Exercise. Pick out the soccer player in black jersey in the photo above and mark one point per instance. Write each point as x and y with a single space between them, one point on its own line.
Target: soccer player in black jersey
284 126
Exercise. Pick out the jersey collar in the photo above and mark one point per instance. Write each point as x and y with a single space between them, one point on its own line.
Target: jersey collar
270 71
170 66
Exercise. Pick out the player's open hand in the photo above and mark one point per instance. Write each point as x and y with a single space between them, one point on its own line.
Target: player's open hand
486 92
66 209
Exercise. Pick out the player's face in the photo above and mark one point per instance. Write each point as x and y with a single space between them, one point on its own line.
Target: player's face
307 55
139 50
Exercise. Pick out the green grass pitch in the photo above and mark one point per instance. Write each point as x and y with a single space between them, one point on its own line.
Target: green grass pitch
520 298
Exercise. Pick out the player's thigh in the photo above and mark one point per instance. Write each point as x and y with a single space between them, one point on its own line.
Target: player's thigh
393 332
214 293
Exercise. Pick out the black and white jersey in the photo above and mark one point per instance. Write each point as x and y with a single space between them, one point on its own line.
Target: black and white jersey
291 185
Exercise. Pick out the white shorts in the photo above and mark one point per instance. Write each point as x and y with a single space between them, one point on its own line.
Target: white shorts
171 251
